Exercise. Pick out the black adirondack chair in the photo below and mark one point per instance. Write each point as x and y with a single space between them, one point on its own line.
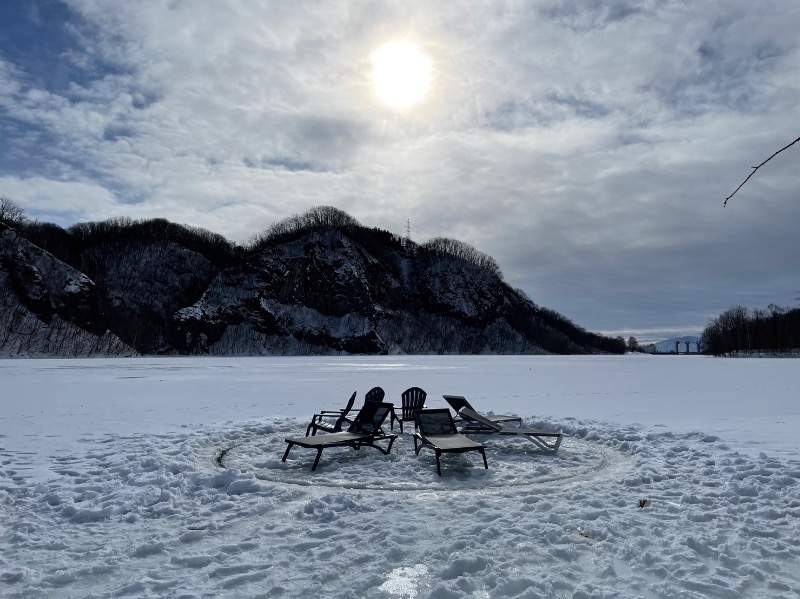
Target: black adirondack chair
412 400
331 421
375 394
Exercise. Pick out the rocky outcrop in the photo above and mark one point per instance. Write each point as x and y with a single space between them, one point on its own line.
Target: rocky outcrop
48 308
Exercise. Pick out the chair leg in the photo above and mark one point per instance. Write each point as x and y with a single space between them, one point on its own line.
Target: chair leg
288 449
483 453
401 425
438 465
316 460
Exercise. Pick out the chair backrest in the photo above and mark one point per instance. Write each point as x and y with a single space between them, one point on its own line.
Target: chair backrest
375 394
471 416
370 418
457 402
350 403
413 399
435 421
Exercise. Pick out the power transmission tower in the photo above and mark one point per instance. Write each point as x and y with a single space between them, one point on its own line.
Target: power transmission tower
407 244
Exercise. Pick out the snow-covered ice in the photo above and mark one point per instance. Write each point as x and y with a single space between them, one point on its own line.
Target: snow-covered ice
111 484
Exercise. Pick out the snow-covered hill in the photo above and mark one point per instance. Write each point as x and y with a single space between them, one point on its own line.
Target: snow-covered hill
315 284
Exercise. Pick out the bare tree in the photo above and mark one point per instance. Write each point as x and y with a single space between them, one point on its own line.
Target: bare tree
755 168
10 213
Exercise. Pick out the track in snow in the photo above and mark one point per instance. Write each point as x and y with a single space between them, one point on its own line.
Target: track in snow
512 463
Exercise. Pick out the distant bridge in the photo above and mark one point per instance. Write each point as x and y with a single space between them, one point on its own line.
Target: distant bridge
688 347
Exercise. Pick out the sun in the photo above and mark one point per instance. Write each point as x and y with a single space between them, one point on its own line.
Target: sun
401 73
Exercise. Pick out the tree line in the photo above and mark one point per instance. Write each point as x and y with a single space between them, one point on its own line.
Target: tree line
740 329
68 244
442 246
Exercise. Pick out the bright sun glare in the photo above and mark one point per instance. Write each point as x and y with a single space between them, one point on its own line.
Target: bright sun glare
401 73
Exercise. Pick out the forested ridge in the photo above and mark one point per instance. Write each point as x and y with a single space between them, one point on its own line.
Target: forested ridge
314 283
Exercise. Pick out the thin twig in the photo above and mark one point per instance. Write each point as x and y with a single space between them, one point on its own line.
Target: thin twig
755 168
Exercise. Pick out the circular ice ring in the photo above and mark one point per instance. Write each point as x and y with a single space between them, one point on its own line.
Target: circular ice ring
512 463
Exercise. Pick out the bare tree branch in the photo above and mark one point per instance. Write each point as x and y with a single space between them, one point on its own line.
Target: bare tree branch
10 213
755 168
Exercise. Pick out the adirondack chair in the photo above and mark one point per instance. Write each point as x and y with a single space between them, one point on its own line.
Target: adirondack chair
412 400
375 394
331 421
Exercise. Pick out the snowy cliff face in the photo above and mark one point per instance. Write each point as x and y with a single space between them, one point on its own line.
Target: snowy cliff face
325 293
48 308
462 290
143 283
322 293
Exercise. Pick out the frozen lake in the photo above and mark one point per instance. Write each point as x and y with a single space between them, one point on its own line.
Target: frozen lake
109 484
751 403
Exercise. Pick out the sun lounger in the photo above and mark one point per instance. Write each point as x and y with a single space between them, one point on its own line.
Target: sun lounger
331 421
365 431
437 430
457 402
475 424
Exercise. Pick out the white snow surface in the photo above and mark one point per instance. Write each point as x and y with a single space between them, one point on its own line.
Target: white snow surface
111 485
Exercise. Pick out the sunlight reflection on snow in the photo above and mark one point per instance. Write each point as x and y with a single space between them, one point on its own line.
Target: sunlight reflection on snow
368 367
404 581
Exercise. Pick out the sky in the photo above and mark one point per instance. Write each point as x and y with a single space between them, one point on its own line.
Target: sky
586 145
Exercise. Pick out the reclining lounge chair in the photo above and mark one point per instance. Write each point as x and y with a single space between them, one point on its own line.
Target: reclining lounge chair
437 430
364 431
457 402
476 424
323 419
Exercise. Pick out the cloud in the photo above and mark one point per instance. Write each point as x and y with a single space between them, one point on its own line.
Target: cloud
586 145
59 201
